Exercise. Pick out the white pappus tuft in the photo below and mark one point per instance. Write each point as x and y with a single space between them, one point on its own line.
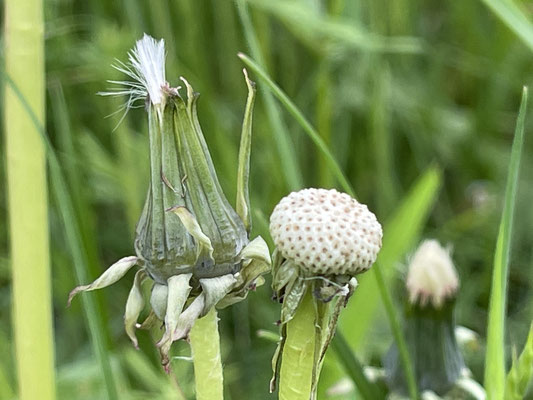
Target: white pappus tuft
146 68
432 276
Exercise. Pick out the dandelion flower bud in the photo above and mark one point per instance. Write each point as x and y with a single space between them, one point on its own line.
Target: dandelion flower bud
190 242
326 232
432 275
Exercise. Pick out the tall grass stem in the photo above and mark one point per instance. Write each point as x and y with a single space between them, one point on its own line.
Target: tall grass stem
495 353
396 329
28 201
74 241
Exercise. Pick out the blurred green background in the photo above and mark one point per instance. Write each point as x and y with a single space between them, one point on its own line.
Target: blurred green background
396 89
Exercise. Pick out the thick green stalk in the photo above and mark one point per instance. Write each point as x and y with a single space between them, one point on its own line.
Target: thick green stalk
205 345
73 238
296 370
28 201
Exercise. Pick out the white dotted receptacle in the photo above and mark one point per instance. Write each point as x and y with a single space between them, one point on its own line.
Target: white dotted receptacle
326 232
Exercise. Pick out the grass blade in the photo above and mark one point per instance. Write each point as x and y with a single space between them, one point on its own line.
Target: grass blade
292 172
354 369
495 354
315 28
73 237
304 123
401 233
513 18
397 332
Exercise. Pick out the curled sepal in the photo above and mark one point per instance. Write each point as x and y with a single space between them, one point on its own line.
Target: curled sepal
188 317
215 289
158 300
276 359
110 276
255 262
134 306
149 322
283 276
193 228
178 292
242 205
292 298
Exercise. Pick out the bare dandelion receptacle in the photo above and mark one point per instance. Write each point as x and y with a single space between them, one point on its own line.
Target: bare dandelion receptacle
323 239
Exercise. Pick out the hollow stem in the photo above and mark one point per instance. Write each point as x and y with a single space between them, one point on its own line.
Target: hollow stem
205 345
297 362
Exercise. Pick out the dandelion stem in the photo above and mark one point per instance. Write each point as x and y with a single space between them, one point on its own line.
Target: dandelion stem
296 371
205 345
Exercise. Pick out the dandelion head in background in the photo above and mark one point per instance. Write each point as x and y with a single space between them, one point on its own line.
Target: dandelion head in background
431 274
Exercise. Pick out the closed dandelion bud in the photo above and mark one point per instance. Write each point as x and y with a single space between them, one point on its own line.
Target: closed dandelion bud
432 285
192 244
323 240
184 187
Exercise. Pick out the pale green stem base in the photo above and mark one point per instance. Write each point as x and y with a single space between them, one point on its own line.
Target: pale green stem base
205 345
296 370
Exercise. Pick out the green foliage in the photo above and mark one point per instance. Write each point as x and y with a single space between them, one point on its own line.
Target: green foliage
408 96
521 373
400 234
495 355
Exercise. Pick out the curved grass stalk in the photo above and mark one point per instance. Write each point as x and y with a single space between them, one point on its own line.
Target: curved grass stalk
399 338
292 174
302 121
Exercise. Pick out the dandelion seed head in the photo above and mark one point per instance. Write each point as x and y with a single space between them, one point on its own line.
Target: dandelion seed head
326 232
431 276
